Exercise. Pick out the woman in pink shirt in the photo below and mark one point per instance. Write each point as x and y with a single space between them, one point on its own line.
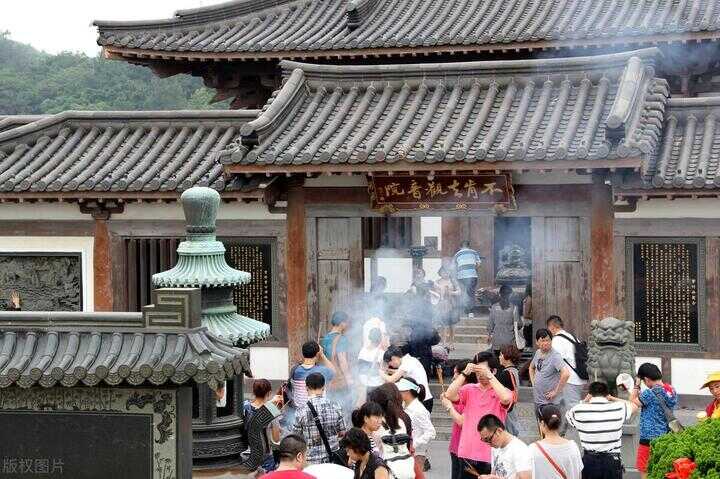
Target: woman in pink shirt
455 410
488 396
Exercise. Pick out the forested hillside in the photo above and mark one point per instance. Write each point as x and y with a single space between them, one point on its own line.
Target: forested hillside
33 82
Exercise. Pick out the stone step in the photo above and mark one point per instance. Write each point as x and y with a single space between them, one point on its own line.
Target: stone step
475 320
471 338
476 330
441 419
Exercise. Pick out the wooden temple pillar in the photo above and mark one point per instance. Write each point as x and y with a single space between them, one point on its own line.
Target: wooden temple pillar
102 254
451 231
602 270
296 264
102 261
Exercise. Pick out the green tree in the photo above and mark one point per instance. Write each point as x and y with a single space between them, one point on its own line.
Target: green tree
34 82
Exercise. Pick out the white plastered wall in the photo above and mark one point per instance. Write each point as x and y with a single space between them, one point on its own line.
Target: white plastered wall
689 374
58 244
271 363
679 208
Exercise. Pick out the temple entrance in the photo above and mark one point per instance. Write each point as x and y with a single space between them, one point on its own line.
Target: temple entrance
539 255
360 259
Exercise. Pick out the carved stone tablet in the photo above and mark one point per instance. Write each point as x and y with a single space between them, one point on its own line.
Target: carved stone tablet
44 281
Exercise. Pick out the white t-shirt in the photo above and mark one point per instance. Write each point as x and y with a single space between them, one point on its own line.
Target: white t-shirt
566 456
413 368
511 459
329 471
371 378
567 351
369 325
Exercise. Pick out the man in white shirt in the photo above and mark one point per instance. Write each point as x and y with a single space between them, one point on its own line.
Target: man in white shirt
511 458
407 366
599 421
564 343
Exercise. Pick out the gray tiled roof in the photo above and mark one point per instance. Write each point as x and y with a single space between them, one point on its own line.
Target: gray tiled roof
586 108
690 153
243 27
13 121
117 151
49 349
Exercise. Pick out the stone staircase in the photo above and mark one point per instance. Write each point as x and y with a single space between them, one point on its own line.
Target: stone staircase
472 330
443 423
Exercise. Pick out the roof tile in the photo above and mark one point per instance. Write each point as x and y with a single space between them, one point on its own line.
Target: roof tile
480 111
252 26
116 151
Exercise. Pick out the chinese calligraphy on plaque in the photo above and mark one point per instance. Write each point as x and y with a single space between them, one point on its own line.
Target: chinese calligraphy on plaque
254 299
666 286
471 192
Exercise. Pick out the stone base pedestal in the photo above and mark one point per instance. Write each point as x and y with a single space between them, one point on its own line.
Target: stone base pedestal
630 440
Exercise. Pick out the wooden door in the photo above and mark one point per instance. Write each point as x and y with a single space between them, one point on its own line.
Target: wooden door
560 272
335 269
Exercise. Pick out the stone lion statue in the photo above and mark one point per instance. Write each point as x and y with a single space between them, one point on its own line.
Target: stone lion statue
611 350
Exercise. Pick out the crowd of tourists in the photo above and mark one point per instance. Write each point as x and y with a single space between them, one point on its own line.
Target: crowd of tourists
364 410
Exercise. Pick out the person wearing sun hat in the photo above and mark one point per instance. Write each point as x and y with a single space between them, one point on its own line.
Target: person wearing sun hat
713 384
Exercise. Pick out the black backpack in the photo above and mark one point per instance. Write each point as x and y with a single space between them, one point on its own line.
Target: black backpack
581 356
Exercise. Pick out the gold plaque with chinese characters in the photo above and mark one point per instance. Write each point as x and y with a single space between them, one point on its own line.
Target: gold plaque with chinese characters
449 193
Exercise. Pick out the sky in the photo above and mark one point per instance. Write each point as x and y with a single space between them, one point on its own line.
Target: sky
59 25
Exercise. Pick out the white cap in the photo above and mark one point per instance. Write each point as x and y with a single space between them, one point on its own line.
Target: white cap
405 385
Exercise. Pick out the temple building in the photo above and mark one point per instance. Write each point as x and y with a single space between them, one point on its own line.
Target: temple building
576 144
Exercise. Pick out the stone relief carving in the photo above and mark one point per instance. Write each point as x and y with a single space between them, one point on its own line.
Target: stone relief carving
162 404
44 282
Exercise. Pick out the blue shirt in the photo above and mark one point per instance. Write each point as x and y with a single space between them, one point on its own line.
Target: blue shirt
300 396
652 418
465 261
326 344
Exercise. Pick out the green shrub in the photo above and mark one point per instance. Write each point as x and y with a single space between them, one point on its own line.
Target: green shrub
701 443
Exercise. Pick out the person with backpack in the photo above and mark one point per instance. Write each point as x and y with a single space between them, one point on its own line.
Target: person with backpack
656 404
574 354
395 433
